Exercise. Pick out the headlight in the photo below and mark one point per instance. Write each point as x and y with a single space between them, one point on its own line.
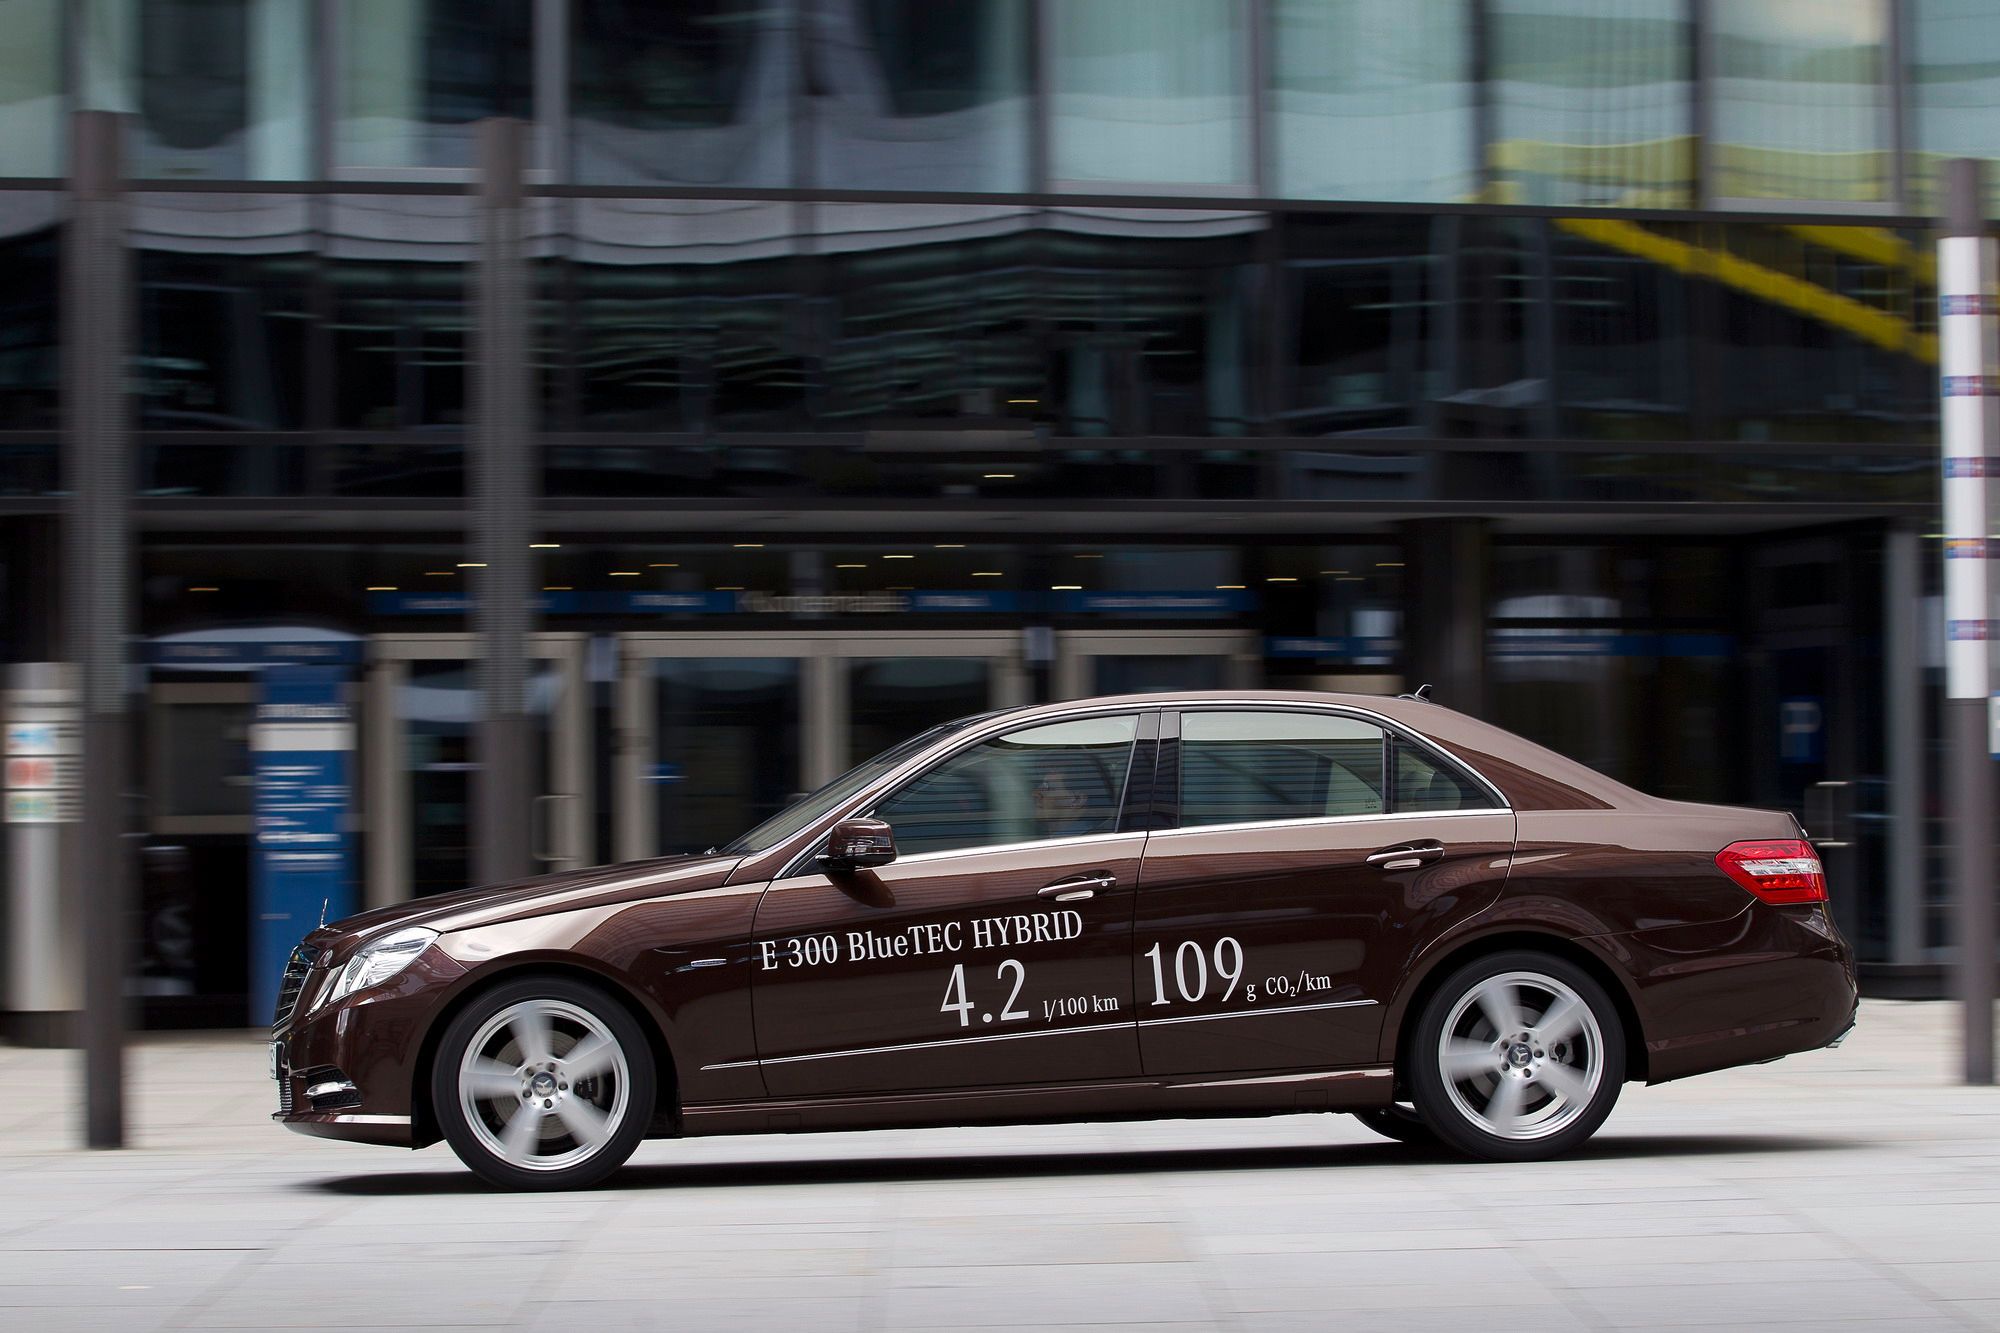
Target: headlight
377 961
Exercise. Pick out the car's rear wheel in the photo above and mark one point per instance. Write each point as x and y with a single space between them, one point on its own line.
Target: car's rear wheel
543 1084
1518 1056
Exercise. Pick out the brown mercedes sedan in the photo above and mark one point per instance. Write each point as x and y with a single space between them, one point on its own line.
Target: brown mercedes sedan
1214 904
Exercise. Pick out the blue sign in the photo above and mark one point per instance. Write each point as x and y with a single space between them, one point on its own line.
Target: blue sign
303 751
252 653
1801 730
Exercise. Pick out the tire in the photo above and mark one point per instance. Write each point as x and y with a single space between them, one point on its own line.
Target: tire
587 1112
1535 1092
1399 1122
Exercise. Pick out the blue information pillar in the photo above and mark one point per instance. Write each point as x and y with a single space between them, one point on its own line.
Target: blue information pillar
304 751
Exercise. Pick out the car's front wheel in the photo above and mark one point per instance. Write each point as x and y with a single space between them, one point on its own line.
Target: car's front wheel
543 1083
1518 1056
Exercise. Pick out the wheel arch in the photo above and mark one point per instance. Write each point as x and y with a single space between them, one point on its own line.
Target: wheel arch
1408 1006
424 1129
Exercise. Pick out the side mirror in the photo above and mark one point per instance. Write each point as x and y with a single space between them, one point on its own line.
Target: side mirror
857 843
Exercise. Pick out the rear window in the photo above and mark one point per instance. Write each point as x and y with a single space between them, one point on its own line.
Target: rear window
1253 767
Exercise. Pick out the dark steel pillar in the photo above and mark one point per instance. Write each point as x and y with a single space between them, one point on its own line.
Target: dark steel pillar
502 466
1444 621
1971 438
96 333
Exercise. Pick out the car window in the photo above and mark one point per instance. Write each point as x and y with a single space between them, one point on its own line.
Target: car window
1255 766
1425 783
1061 780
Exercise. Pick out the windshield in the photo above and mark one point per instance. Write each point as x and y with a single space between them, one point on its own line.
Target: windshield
797 816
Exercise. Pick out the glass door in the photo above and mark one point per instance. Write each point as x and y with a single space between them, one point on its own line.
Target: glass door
422 708
1095 662
717 731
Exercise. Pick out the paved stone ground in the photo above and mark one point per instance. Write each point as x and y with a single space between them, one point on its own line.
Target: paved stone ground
1851 1189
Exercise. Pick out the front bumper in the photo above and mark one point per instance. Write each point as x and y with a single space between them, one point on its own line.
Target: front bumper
349 1070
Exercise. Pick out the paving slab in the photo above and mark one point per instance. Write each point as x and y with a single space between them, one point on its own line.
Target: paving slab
1851 1189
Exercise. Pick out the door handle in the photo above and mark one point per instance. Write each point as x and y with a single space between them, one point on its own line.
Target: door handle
1078 887
1406 856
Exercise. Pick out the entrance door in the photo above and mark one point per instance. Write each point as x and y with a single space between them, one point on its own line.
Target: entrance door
422 708
1094 662
717 731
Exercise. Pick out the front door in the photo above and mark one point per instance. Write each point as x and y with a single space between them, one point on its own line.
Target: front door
420 712
996 949
1307 847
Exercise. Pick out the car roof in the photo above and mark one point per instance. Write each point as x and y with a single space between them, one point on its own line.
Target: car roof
1530 776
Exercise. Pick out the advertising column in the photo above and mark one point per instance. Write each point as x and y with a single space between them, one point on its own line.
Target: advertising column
303 749
44 961
1971 393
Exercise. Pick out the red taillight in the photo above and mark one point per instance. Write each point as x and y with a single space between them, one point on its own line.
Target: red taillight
1780 871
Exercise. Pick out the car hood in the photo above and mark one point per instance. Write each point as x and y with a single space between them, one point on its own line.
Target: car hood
532 897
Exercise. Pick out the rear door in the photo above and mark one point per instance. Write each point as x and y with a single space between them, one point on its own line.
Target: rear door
995 950
1298 856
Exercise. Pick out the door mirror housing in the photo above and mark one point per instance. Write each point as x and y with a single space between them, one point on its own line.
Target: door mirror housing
855 844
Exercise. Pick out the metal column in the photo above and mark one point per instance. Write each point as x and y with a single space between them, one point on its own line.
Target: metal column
502 468
1967 363
1444 631
1903 709
96 304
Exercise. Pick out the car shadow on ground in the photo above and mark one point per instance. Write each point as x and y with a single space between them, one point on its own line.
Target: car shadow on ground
1028 1165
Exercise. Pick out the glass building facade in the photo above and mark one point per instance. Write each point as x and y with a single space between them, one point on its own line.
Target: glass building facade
892 359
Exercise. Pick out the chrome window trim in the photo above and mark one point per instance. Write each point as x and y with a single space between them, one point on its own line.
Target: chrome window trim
1316 821
947 853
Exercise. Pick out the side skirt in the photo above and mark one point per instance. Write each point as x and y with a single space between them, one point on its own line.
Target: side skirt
1236 1094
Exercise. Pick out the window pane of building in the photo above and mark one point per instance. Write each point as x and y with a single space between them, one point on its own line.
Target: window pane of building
29 370
417 75
1149 92
697 92
920 94
1954 81
31 88
1359 312
1372 100
217 89
1799 100
1592 103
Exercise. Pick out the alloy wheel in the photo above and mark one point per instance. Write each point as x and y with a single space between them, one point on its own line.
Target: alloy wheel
1521 1055
544 1085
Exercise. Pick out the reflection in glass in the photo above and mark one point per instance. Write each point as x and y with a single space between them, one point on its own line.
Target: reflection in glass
1590 106
726 747
1799 100
696 92
1063 780
1621 323
216 88
31 88
920 94
29 333
1359 307
1151 321
689 316
1156 673
892 698
1149 91
417 75
1954 81
1372 99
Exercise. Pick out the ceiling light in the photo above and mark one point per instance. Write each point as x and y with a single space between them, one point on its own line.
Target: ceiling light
1065 587
1090 555
1021 402
1333 571
850 566
899 557
545 546
1388 564
1281 578
749 546
470 564
987 574
204 588
437 574
951 546
557 587
624 573
668 565
729 587
999 476
381 587
1229 587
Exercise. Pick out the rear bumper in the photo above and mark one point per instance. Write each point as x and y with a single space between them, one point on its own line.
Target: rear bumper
1766 983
